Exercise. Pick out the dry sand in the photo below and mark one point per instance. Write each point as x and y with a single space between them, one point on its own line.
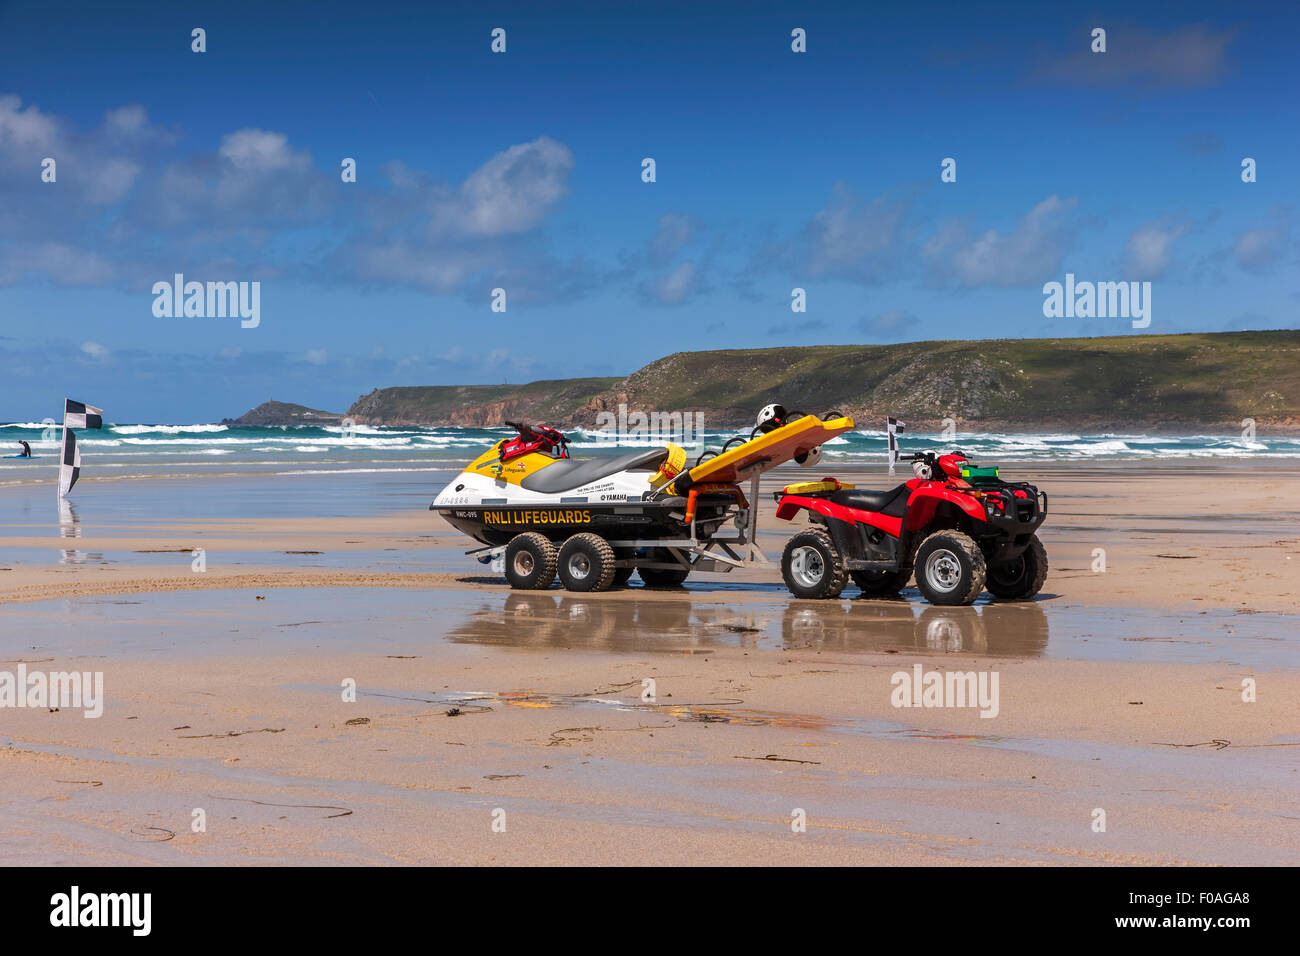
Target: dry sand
1119 692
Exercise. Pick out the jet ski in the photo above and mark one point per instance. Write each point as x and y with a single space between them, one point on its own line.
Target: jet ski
540 513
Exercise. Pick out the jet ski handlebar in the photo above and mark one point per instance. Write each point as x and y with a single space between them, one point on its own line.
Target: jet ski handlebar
534 438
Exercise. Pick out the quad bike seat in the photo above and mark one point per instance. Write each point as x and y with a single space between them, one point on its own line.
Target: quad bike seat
566 473
891 502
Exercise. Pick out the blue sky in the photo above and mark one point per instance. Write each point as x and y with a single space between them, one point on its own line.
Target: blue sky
522 170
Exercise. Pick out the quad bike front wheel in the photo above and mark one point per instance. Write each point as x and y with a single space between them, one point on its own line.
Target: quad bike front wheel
1020 578
950 568
811 566
530 562
586 563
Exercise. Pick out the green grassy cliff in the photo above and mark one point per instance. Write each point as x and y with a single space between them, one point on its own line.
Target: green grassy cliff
469 405
284 413
1172 382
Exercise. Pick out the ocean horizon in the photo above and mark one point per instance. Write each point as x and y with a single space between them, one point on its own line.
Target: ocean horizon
156 450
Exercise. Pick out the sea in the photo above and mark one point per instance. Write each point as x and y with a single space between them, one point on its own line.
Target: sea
145 451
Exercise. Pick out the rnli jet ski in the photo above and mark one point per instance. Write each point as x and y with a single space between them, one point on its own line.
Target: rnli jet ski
540 513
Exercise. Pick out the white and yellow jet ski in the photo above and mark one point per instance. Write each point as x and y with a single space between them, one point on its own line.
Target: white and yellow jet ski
540 513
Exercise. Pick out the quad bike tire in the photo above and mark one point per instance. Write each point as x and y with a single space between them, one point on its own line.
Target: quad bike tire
880 583
530 562
1021 578
586 563
663 577
950 568
812 567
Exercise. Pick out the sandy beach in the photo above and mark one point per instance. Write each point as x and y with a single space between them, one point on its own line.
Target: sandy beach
725 722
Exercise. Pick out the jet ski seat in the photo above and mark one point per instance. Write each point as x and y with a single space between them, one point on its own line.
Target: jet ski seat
567 474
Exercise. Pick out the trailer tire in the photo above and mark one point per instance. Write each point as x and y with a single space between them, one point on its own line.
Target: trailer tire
530 562
663 577
812 567
586 563
950 568
623 575
1021 578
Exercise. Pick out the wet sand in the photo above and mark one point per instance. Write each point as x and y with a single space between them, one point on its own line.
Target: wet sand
1119 691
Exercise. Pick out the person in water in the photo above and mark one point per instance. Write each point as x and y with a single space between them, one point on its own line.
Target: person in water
27 449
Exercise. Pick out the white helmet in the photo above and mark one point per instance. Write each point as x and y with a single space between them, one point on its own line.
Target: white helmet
772 416
811 458
922 470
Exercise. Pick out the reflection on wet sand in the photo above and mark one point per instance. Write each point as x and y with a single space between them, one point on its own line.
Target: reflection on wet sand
70 527
540 620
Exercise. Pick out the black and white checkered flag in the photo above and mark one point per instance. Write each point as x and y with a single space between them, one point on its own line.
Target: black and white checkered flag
895 428
70 464
81 415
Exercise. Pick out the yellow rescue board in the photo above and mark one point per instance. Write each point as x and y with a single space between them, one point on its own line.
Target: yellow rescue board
767 451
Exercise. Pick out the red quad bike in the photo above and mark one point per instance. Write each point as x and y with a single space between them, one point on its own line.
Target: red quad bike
960 528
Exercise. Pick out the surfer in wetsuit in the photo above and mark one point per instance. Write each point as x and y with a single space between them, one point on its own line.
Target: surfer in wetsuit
27 449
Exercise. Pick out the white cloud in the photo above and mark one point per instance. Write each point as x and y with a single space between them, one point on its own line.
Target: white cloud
675 287
316 356
857 239
1024 256
25 127
94 350
258 149
673 231
1149 249
512 191
1188 56
1258 250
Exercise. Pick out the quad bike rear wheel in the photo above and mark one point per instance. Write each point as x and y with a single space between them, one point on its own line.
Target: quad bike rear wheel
663 577
586 563
880 583
950 568
812 567
1020 578
530 562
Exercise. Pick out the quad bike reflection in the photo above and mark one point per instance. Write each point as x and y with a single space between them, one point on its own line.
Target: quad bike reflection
1002 629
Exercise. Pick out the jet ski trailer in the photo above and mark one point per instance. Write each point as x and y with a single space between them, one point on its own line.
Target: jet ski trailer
540 514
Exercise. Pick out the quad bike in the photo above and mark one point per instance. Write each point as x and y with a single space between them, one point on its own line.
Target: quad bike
960 528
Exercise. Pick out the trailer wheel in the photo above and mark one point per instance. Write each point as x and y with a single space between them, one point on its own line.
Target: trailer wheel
586 563
950 568
1020 578
811 566
623 575
530 562
663 577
